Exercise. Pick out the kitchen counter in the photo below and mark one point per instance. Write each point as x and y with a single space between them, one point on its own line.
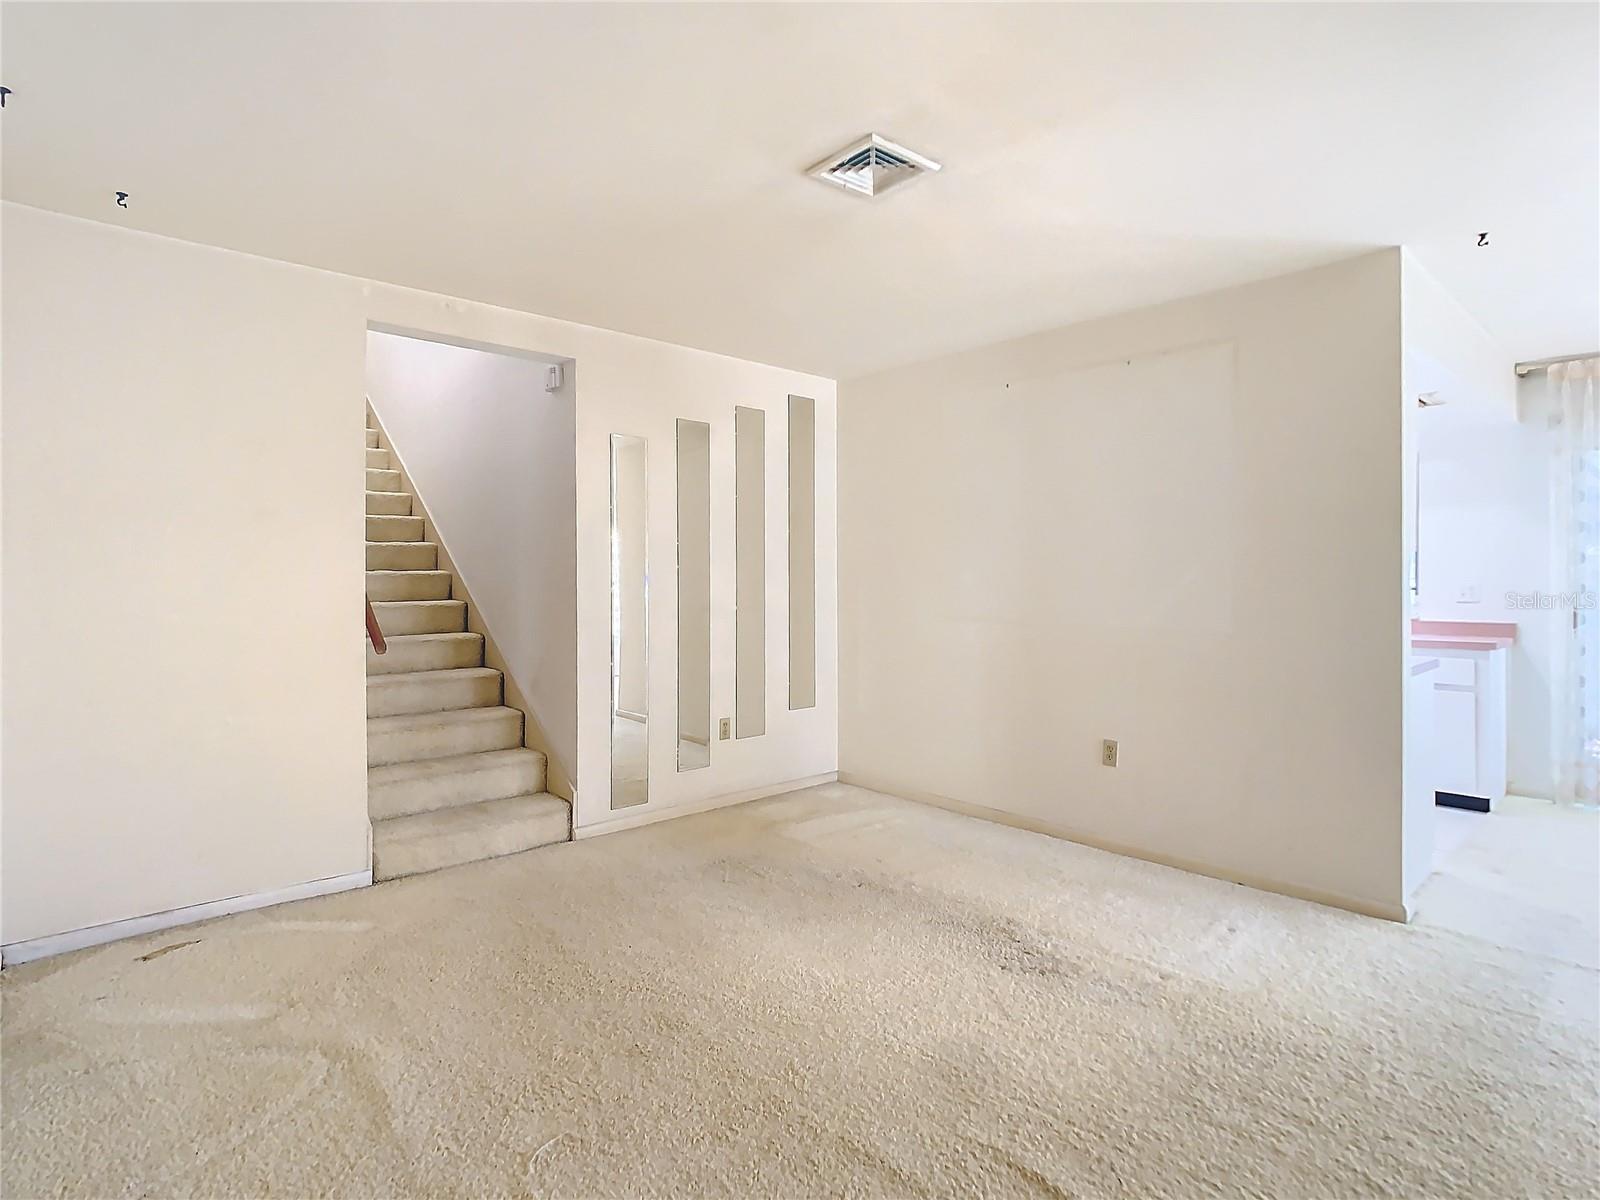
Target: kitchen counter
1462 635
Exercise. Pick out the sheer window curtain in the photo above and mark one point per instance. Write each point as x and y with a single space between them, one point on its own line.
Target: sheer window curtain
1575 707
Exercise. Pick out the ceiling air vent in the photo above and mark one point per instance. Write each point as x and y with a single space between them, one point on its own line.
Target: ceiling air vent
872 166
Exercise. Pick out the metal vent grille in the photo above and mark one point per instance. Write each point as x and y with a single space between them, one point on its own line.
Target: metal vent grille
872 166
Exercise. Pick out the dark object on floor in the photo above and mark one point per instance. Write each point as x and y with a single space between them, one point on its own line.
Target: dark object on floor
167 950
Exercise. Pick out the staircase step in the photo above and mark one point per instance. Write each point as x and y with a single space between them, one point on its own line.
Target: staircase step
432 691
404 789
389 504
372 438
383 481
402 556
408 585
396 617
427 652
451 836
378 460
394 529
417 736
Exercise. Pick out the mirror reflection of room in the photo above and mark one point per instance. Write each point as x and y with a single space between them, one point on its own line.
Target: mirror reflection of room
694 595
630 645
802 553
750 569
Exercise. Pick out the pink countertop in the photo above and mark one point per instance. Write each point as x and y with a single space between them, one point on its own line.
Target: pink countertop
1462 635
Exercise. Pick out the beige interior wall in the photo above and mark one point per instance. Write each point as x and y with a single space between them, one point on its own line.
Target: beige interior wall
1034 558
184 687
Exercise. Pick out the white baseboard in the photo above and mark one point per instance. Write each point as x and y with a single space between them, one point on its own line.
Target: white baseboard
649 816
98 935
1356 904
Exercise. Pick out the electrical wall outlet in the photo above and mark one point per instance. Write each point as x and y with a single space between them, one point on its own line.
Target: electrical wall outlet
724 728
1108 753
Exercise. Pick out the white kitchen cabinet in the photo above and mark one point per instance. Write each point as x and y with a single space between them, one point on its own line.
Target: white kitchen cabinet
1469 713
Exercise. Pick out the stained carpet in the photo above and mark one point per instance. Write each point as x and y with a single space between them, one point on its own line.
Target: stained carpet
830 993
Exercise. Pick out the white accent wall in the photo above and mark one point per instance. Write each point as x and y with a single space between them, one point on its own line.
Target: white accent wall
184 680
1180 528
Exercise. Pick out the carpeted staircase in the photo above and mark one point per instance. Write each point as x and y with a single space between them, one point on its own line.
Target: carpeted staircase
448 778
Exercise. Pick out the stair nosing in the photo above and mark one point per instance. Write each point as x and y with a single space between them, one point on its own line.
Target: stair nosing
449 764
482 715
478 804
413 676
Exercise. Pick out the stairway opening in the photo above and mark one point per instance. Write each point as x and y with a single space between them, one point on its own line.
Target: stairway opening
470 573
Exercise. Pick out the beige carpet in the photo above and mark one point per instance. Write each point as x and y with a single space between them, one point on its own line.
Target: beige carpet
827 993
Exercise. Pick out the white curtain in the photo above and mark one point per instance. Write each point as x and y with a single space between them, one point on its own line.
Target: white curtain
1575 708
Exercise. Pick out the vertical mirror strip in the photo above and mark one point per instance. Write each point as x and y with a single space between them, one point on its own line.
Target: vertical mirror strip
802 553
630 637
694 595
750 568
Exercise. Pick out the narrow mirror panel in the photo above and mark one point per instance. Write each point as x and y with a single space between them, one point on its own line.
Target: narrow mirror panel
630 644
750 567
802 553
694 595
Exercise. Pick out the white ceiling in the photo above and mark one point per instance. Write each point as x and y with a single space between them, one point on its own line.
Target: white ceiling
640 168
